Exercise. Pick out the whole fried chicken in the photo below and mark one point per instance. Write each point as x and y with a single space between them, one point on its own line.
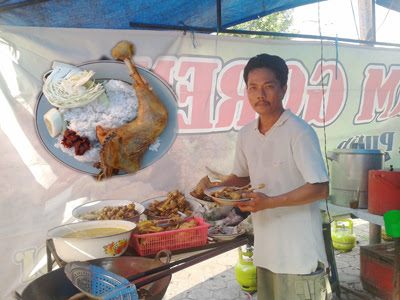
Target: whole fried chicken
124 147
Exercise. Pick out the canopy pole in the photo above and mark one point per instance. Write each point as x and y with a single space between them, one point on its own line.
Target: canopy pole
366 11
4 8
219 22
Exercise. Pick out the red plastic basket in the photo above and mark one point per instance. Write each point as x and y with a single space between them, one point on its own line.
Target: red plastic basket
150 243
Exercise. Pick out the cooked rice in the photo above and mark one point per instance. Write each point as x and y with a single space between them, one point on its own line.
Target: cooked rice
122 109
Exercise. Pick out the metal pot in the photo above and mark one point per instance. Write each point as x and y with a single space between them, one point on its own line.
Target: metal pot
56 286
349 177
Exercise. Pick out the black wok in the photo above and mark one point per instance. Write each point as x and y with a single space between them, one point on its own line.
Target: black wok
56 286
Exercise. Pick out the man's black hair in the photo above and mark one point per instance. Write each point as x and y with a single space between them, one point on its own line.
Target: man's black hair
272 62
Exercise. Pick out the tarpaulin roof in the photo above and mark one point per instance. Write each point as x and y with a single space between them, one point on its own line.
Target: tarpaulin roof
119 14
390 4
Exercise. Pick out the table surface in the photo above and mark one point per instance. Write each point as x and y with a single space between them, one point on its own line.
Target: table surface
358 212
52 256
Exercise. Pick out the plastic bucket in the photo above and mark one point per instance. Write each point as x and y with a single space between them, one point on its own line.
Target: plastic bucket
392 223
383 191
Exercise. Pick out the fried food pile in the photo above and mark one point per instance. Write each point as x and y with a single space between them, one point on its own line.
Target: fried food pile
111 213
198 191
170 207
152 226
234 193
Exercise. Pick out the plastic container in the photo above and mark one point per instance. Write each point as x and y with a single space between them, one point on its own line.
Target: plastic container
383 191
151 243
392 223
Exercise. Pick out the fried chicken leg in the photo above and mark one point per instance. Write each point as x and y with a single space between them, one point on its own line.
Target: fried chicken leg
124 147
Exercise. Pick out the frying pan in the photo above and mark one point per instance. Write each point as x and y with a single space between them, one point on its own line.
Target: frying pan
56 286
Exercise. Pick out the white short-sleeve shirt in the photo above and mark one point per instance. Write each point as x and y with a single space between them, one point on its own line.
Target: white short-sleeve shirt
286 239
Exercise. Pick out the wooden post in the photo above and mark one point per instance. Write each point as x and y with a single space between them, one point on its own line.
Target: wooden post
374 234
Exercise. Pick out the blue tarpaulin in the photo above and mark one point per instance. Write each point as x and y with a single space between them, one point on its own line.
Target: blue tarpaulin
119 14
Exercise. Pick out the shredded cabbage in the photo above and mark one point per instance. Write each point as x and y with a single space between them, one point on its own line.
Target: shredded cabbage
72 87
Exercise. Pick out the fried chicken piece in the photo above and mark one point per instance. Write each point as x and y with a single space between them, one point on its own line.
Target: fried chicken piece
124 147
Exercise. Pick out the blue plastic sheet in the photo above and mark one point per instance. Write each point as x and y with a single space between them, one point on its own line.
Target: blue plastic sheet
118 14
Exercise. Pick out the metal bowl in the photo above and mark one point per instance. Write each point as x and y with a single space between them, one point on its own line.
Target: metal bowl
81 249
91 210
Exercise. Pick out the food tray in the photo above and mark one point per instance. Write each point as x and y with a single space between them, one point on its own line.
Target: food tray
151 243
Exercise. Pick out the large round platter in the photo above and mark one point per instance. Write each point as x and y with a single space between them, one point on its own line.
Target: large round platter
105 70
223 201
82 212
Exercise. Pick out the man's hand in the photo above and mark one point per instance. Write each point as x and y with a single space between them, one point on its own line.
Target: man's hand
305 194
259 201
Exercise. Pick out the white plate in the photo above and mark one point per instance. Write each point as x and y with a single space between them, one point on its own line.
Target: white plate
80 211
226 237
105 70
223 201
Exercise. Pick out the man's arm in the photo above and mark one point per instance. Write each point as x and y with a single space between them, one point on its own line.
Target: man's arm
305 194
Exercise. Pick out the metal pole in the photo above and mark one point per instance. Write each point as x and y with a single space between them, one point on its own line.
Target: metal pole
396 269
373 21
365 18
219 19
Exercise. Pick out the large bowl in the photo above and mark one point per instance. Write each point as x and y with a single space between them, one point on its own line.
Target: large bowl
82 212
81 249
194 206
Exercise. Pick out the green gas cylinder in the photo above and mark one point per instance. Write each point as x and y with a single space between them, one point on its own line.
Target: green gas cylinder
245 271
343 238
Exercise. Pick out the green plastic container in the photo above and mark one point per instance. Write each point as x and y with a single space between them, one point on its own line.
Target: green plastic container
392 223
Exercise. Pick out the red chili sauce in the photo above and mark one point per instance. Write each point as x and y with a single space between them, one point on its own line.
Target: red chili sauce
72 139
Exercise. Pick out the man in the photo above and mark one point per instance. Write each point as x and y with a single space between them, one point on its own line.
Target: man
282 151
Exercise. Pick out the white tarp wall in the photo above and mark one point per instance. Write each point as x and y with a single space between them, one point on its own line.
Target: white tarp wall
38 192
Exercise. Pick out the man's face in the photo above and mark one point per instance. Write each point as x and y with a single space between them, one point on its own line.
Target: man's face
265 92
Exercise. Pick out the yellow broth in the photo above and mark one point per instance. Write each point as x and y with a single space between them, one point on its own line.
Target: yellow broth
95 232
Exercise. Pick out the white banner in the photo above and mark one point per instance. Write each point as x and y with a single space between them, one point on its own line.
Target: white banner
39 190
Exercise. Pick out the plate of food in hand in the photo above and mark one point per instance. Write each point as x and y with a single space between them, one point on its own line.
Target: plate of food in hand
88 116
227 194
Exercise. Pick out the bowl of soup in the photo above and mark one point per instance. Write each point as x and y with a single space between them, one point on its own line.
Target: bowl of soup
87 240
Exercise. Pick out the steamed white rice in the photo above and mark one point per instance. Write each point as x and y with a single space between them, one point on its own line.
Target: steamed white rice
122 109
